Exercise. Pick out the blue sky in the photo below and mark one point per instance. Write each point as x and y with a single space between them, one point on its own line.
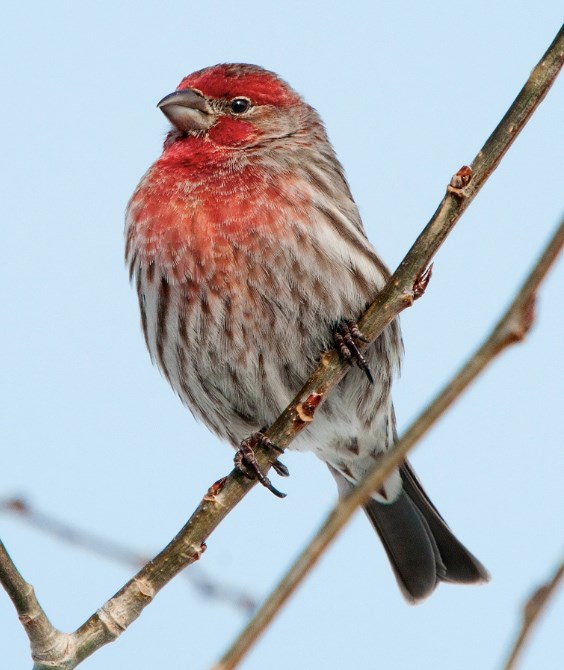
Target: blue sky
91 433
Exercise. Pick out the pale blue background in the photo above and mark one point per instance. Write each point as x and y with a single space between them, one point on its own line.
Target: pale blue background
92 434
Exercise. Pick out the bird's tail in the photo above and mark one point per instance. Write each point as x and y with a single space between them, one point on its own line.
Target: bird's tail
421 547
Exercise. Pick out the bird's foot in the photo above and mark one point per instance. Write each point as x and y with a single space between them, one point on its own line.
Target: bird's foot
246 462
347 338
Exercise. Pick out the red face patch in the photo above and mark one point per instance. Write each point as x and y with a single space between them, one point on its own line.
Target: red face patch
229 132
229 81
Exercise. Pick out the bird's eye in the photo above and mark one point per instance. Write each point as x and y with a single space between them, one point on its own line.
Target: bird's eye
240 105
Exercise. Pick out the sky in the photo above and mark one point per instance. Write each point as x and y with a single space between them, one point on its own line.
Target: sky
92 435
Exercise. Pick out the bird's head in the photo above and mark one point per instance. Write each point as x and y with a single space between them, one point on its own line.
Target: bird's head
237 105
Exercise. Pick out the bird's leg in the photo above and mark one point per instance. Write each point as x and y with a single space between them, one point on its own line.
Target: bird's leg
347 337
246 462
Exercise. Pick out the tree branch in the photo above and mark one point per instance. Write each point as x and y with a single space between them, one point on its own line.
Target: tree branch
115 551
511 328
46 641
532 610
404 286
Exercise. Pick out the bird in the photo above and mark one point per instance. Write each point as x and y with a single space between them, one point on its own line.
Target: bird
250 259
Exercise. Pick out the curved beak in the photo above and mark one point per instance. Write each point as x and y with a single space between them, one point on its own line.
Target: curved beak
187 110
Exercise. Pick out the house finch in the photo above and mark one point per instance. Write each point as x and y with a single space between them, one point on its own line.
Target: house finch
249 257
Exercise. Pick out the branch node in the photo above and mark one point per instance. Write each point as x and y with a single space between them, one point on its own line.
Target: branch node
532 610
459 182
194 552
214 490
407 298
306 409
535 603
27 620
528 313
421 283
198 551
17 505
111 624
522 320
56 649
145 588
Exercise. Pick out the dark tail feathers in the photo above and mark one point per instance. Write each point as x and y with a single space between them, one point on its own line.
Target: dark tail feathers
421 547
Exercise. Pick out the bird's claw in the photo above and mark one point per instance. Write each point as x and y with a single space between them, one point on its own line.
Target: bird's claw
347 336
280 469
246 462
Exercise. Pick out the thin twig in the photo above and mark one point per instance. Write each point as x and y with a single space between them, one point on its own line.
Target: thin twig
121 610
511 328
534 607
115 551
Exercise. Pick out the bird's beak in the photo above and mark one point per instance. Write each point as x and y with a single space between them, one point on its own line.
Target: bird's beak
187 110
